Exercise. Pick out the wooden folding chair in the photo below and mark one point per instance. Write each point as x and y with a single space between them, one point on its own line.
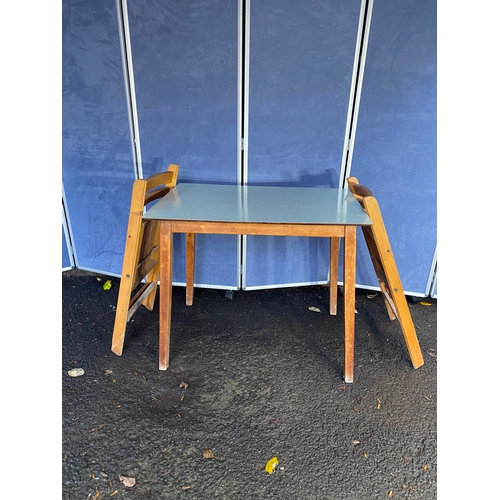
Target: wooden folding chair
141 258
386 270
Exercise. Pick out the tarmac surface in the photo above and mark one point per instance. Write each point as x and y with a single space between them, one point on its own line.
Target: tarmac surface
250 378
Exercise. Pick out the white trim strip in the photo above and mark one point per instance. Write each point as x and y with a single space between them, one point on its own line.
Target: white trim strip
128 75
356 85
68 232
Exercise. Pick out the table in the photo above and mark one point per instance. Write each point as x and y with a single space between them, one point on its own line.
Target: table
259 210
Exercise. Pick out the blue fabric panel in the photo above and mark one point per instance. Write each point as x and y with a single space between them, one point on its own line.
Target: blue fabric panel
301 62
97 162
395 147
185 58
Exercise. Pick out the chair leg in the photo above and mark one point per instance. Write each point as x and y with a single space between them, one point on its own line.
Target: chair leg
134 237
406 322
122 307
394 285
153 275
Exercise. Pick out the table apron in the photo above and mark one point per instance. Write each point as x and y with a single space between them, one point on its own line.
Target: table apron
257 228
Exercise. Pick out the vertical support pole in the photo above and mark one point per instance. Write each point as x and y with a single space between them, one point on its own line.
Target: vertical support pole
349 300
166 254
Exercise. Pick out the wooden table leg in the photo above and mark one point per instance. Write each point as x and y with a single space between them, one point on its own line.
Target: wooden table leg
190 246
334 274
166 255
349 300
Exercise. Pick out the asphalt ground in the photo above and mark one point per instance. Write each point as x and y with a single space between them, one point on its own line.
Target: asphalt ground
250 378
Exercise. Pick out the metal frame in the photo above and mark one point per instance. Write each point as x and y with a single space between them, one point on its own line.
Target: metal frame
68 233
356 86
432 282
246 101
128 77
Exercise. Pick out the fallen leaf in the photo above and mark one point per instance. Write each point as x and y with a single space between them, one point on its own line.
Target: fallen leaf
185 487
390 494
98 428
76 372
208 454
426 304
314 309
96 496
183 385
114 493
356 441
108 372
127 481
371 295
271 465
365 454
107 285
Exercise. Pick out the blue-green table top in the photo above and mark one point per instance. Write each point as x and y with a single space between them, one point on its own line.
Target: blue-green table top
259 204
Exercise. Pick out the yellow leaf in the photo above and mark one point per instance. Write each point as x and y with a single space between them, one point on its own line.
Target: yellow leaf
208 454
271 465
107 285
390 494
426 303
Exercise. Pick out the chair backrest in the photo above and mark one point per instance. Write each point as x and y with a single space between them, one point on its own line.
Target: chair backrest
143 253
357 189
377 242
376 231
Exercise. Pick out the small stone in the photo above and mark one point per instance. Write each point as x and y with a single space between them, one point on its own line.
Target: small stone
76 372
